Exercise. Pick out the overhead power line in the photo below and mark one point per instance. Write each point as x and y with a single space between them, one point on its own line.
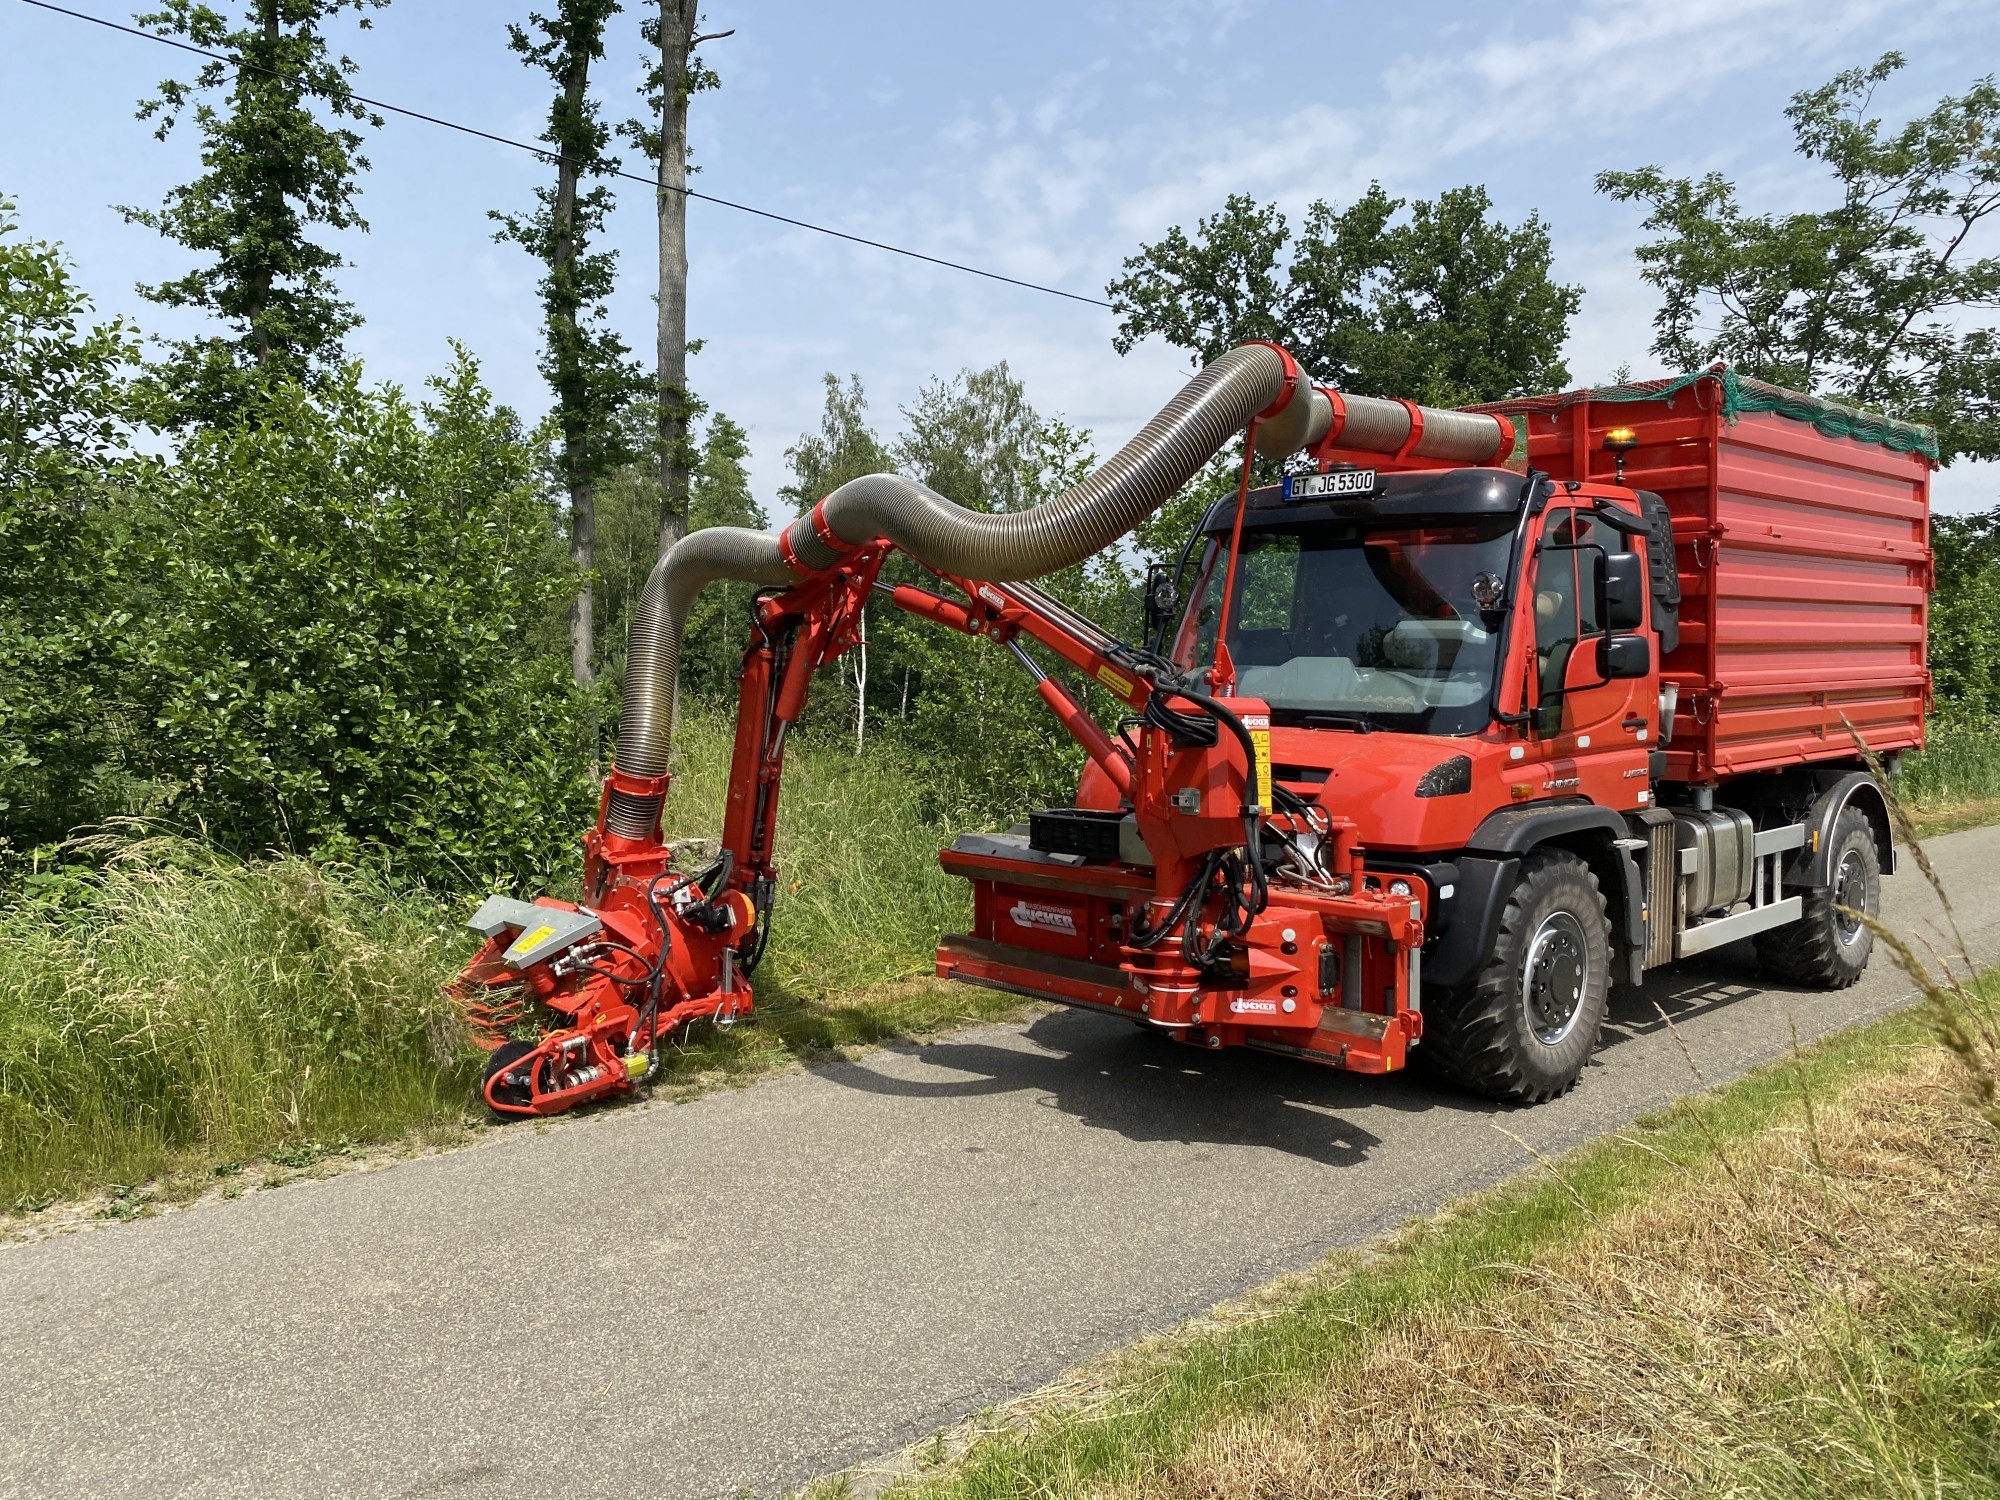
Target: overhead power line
546 155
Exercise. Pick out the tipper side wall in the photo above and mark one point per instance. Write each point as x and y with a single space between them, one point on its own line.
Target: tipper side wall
1804 564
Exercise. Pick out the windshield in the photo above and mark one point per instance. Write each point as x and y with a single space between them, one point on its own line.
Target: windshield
1373 623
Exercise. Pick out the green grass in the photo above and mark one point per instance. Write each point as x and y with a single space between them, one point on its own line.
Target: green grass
1938 1354
1959 765
177 1011
174 1011
863 898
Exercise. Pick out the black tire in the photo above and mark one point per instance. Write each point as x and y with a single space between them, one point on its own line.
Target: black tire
1523 1029
509 1092
1824 950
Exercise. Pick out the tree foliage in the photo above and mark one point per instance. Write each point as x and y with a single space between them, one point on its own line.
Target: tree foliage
347 588
1874 299
587 365
1965 615
718 625
965 704
1433 300
272 167
65 457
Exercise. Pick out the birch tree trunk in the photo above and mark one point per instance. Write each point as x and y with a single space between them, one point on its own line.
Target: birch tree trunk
677 29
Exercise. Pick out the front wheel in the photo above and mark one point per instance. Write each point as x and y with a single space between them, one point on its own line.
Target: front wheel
1524 1028
1828 947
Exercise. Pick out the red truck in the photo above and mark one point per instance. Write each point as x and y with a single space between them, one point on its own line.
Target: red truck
1588 723
1472 716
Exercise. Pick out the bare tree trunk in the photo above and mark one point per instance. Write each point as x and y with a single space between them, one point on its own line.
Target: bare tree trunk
677 23
860 693
575 422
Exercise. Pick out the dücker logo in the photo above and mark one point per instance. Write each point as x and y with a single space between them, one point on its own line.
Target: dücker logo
1048 918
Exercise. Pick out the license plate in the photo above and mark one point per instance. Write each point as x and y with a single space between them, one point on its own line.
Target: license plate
1330 486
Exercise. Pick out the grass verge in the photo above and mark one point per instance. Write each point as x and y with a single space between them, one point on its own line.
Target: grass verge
1788 1286
1954 782
168 1013
171 1013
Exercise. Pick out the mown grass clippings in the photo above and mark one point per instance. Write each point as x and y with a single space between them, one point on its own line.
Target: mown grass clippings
1368 1371
1823 1335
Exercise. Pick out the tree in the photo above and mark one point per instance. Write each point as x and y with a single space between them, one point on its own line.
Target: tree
1965 615
963 704
272 168
718 625
844 448
973 438
584 362
1443 304
1867 300
65 458
679 75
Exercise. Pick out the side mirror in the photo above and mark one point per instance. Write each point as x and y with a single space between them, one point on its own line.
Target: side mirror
1623 656
1621 591
1161 604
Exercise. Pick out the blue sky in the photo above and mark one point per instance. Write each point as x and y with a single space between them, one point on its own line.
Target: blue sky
1044 140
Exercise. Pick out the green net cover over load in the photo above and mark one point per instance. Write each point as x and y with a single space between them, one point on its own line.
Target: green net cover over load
1740 394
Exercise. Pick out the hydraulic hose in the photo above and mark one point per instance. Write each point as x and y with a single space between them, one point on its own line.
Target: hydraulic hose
1222 400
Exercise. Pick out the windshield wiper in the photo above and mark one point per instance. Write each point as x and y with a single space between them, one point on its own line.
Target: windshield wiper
1316 720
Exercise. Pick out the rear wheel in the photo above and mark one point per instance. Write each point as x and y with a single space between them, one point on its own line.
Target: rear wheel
1524 1028
1828 947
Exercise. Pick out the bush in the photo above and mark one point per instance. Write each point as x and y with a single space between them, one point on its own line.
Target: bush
342 656
63 461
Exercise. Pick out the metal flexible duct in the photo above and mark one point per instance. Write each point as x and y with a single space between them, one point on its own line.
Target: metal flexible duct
1117 496
1129 486
1114 498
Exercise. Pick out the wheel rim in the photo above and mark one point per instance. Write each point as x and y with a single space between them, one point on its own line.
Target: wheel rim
1555 976
1850 898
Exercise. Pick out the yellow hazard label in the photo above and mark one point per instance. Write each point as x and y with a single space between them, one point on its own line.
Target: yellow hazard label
1119 684
1260 740
527 942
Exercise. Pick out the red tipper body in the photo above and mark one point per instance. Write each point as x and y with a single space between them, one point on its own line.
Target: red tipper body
1805 569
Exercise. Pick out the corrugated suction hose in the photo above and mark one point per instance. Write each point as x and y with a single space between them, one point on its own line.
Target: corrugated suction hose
1129 486
1118 495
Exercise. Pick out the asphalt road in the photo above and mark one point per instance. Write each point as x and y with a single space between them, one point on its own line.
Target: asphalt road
739 1293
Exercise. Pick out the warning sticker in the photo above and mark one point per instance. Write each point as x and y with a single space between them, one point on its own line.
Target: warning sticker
1260 741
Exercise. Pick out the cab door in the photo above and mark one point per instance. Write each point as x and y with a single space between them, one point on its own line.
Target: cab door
1591 741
